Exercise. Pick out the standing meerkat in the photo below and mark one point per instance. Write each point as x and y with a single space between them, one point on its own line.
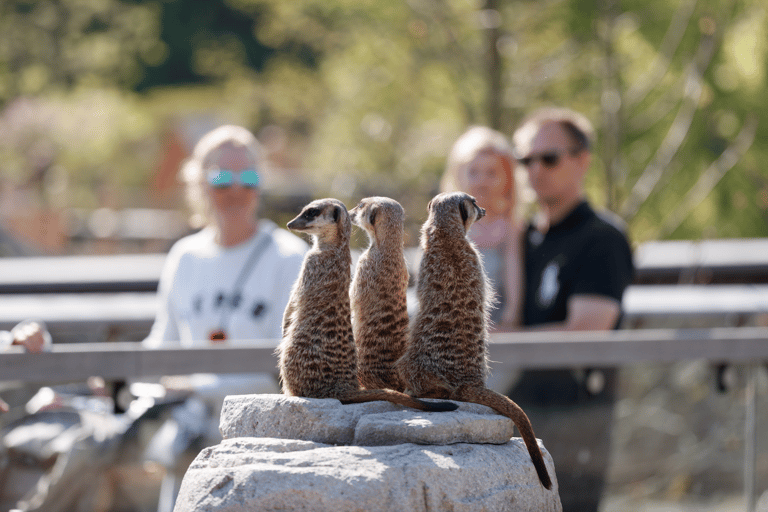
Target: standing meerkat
447 353
379 307
317 353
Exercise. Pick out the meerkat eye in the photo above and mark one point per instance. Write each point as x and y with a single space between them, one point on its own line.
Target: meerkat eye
311 213
463 211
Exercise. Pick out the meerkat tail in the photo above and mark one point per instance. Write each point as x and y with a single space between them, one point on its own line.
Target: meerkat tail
371 395
510 409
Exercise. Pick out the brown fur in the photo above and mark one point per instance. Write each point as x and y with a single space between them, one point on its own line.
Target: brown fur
447 355
379 308
317 353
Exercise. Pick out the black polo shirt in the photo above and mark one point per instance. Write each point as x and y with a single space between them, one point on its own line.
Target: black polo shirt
585 254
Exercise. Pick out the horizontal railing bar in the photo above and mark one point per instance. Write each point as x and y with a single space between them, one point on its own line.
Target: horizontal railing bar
78 361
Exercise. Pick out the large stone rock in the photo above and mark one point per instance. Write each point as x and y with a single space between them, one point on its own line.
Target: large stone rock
288 453
367 424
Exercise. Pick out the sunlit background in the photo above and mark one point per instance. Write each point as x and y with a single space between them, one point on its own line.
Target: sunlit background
101 101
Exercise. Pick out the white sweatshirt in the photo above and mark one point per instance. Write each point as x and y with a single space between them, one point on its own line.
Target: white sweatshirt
199 290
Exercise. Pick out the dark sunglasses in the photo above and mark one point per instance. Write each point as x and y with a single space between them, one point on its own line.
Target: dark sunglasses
222 178
548 159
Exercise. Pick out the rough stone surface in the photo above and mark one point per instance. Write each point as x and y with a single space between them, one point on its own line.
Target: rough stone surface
376 456
367 424
248 474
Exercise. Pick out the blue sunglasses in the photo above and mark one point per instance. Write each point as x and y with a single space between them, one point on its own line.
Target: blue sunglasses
222 178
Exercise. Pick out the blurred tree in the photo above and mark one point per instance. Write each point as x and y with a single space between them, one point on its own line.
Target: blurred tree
672 87
374 93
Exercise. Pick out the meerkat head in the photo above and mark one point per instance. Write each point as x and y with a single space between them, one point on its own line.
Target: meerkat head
451 208
325 219
375 214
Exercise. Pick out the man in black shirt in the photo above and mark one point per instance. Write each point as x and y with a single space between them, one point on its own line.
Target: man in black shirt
576 273
577 265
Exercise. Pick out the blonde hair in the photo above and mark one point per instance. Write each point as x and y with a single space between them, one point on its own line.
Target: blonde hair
207 149
473 142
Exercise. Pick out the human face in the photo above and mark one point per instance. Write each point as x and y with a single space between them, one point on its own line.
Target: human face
488 177
557 181
233 206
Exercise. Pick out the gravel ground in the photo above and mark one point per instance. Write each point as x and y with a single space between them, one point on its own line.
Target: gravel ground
722 504
678 442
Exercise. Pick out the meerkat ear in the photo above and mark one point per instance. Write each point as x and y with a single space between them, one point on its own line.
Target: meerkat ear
336 214
372 217
464 212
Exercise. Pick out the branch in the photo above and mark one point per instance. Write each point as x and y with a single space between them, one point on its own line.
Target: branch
712 176
658 68
676 135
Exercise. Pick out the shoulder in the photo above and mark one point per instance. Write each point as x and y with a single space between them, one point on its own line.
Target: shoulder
193 243
606 225
191 246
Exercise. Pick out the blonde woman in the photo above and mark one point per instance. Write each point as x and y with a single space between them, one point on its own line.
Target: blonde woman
482 164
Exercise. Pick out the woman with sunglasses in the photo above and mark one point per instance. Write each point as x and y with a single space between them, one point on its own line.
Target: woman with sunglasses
577 265
231 281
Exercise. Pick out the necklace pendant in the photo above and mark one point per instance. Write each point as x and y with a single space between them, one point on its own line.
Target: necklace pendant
218 336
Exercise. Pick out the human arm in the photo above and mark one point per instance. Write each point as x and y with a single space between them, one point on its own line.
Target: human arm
33 335
30 334
585 313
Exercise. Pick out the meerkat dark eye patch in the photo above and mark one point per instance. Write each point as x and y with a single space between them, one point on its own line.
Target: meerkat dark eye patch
311 213
463 211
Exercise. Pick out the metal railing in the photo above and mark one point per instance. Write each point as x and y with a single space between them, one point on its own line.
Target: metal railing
508 351
76 361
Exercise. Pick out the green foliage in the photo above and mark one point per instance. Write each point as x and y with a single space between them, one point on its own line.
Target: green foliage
372 94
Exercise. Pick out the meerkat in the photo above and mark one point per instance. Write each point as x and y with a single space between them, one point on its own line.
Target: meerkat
447 353
378 294
317 356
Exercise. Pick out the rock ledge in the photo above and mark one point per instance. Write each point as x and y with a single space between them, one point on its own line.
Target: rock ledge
290 453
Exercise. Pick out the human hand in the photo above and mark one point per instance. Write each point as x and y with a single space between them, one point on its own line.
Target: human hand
31 335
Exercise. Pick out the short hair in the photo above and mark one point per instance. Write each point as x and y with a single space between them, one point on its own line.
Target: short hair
192 172
576 125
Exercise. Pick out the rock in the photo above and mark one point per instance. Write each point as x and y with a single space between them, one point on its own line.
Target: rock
367 424
288 453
